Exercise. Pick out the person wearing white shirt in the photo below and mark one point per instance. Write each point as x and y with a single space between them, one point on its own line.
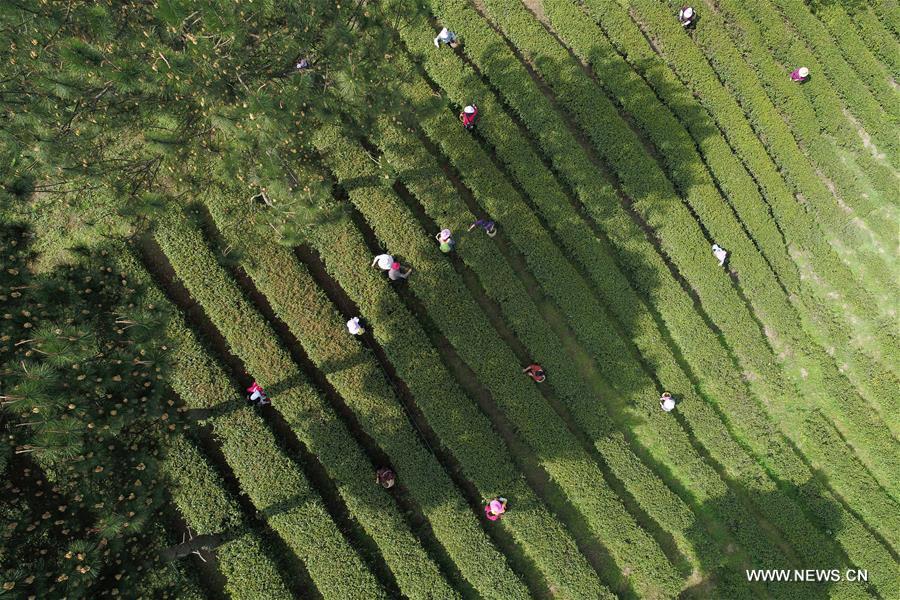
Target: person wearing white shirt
719 253
446 37
666 402
354 327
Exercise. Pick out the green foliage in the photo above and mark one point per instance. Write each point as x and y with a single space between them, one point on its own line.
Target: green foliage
281 490
435 283
456 420
650 276
297 205
635 394
884 45
242 555
799 227
421 174
369 393
764 249
84 413
312 420
111 111
757 81
146 101
656 201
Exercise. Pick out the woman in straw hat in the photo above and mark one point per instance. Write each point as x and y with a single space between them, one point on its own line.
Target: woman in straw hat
384 261
720 253
355 327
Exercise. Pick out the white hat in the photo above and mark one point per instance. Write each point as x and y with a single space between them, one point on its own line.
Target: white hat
469 109
688 12
385 261
445 234
804 72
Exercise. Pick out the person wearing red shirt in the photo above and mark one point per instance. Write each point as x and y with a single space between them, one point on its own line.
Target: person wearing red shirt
536 372
468 117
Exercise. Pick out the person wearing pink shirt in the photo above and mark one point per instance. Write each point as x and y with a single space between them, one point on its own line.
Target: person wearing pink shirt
799 75
257 395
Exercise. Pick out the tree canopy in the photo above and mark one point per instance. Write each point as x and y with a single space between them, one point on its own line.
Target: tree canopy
86 413
110 112
153 100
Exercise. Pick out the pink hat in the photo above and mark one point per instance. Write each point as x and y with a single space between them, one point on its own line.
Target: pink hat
497 507
395 266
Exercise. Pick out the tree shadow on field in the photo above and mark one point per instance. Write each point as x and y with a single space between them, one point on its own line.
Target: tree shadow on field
816 568
631 263
581 88
558 233
685 164
684 160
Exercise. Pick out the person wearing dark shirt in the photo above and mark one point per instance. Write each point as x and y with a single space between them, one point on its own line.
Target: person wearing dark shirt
489 227
385 477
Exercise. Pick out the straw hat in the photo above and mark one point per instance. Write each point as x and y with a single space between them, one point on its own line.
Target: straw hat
469 109
804 72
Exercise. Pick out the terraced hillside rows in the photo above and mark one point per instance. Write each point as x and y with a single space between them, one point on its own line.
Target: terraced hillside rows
613 148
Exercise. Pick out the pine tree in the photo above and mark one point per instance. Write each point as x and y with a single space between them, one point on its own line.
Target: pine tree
85 412
149 102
